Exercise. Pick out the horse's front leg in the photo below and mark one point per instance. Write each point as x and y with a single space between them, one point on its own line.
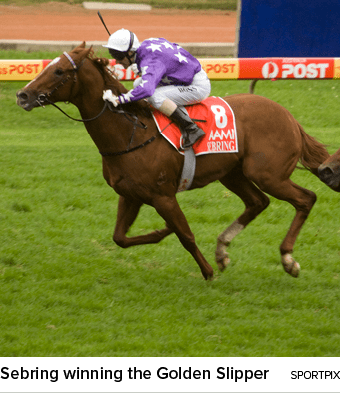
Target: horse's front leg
127 213
255 202
168 208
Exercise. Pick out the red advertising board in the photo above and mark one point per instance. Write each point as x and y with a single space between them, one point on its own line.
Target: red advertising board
217 69
286 68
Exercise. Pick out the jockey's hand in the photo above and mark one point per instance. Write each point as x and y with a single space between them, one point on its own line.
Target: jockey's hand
109 96
134 68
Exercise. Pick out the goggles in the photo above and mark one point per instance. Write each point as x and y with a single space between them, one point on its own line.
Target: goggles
118 55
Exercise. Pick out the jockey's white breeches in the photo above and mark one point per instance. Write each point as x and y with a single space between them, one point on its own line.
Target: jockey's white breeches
181 95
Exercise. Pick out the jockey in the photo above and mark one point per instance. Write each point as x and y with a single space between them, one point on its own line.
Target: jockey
170 78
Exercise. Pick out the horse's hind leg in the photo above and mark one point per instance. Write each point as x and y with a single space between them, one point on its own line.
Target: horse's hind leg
168 208
255 202
302 200
127 213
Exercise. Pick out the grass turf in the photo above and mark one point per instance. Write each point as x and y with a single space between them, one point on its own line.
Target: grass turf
67 290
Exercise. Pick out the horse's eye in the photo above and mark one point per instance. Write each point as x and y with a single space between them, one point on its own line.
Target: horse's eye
58 72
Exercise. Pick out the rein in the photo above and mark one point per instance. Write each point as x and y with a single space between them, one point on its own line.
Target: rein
42 98
74 119
136 124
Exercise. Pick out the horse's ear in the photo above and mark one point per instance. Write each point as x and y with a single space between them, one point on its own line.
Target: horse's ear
89 51
80 48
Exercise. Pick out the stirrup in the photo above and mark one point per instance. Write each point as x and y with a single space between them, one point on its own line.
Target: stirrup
181 148
188 143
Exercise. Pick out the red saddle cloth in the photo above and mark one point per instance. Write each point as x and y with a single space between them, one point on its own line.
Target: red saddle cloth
219 127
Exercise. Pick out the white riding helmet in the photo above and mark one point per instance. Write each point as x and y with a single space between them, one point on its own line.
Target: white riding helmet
123 40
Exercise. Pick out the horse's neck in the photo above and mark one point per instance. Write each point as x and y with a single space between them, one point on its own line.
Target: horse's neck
111 132
92 84
104 130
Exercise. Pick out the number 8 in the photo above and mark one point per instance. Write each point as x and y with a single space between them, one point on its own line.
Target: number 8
221 119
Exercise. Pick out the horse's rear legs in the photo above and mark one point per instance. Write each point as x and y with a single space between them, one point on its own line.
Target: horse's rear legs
255 202
302 200
127 213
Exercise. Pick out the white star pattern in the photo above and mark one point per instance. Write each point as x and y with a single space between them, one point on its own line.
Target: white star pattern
127 97
154 47
166 80
144 69
143 82
181 58
167 45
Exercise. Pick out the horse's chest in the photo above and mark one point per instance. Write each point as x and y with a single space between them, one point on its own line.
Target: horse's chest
119 181
133 189
142 180
128 185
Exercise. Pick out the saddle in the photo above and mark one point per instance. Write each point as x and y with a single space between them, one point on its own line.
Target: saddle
216 118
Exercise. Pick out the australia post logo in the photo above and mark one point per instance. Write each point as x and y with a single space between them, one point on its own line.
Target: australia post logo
295 68
17 70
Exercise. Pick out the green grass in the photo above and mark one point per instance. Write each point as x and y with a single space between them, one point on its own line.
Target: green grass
181 4
68 290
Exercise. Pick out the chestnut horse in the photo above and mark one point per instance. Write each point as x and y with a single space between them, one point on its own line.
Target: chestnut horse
142 167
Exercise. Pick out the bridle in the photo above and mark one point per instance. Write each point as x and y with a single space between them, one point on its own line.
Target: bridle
44 98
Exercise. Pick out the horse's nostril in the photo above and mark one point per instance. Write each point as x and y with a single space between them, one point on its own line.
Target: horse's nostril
22 96
326 171
326 174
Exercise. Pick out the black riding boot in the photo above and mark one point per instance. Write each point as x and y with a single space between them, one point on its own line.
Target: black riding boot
190 131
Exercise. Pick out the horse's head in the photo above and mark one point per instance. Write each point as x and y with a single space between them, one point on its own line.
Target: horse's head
329 171
57 82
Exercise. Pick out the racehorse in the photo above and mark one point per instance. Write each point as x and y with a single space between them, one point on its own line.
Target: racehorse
329 171
143 168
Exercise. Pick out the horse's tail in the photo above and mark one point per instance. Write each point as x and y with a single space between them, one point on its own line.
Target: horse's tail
313 152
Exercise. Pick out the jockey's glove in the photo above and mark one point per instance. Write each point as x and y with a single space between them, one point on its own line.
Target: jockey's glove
135 68
109 96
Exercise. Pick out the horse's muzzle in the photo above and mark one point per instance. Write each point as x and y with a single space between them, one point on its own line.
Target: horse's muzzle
23 100
27 100
329 176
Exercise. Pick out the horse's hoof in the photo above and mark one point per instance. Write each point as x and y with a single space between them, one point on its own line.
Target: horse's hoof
209 275
295 270
222 262
290 265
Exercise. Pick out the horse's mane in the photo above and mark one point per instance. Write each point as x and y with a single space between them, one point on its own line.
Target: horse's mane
111 82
